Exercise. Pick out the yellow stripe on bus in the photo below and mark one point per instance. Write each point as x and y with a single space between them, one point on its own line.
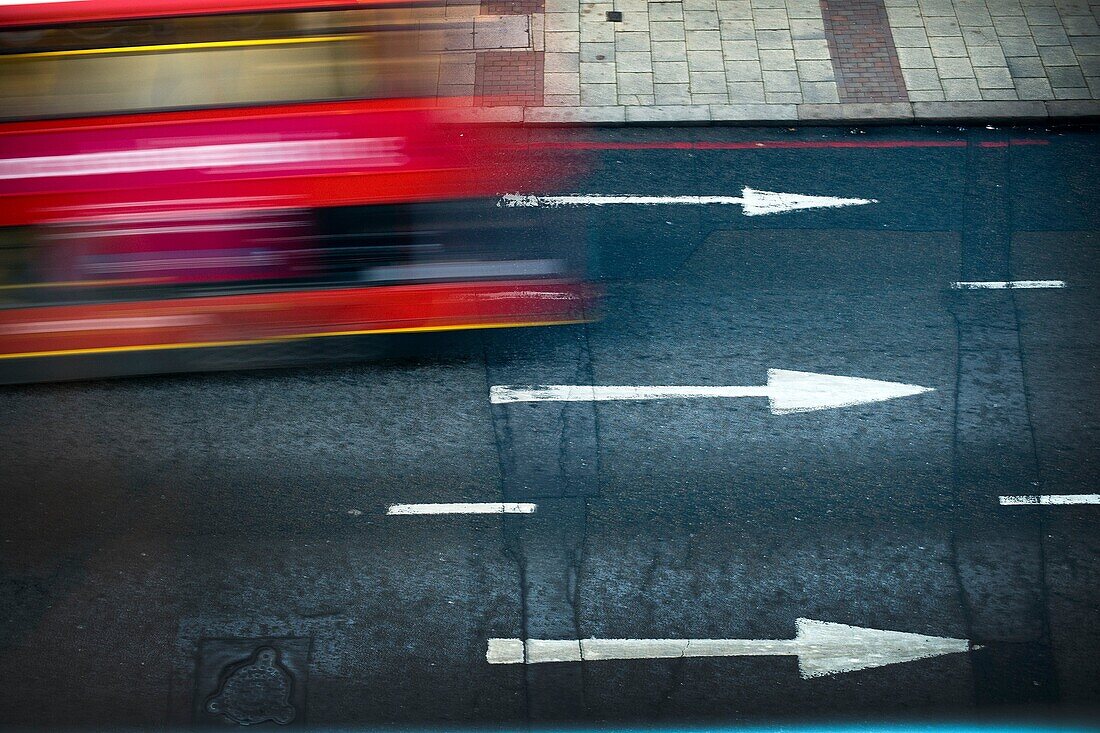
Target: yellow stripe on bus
179 47
85 283
279 339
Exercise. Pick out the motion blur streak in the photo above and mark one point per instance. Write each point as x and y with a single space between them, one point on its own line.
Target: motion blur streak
208 174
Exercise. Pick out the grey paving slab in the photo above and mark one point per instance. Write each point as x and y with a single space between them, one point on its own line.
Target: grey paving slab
597 73
1034 88
703 82
743 71
561 62
815 71
1080 25
737 30
781 81
746 92
700 20
998 95
1049 35
1066 76
741 50
667 31
909 38
948 47
1057 56
710 40
777 60
977 37
811 50
1011 26
558 83
996 77
783 97
671 72
916 58
669 51
992 56
820 92
633 61
596 95
1072 93
705 60
635 83
921 79
1019 46
597 52
961 90
659 12
672 94
734 10
1026 66
954 68
806 29
745 55
774 39
633 41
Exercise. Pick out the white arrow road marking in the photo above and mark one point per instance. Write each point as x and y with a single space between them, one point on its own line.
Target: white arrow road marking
1050 499
822 648
463 508
1007 284
753 202
787 392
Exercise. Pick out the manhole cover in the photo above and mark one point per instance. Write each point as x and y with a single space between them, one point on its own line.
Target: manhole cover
251 681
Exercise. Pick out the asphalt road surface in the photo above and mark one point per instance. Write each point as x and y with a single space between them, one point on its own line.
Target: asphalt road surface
160 533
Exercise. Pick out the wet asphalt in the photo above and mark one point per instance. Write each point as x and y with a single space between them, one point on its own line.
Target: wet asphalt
158 531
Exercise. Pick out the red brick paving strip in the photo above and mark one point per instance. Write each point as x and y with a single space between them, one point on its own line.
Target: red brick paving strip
508 78
512 7
865 60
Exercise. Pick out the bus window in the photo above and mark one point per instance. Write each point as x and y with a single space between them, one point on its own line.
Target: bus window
223 61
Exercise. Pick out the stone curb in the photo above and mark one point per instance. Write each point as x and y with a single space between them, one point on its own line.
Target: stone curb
1063 111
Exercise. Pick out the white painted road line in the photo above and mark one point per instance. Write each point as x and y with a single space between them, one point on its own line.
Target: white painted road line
463 508
1050 499
822 648
787 392
1008 284
752 201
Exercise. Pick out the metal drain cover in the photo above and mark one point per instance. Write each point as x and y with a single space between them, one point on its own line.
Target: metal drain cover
252 681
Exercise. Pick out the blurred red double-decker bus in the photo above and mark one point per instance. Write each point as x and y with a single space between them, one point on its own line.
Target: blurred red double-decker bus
189 174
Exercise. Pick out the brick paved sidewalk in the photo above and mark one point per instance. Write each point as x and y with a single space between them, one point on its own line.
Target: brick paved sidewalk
545 61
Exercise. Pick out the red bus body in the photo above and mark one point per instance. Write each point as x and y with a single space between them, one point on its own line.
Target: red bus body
302 155
190 198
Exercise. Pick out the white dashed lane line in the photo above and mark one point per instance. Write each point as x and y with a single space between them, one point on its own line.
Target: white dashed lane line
1008 284
462 508
1050 499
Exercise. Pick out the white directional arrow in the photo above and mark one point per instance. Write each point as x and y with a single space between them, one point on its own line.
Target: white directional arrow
822 648
753 202
787 391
